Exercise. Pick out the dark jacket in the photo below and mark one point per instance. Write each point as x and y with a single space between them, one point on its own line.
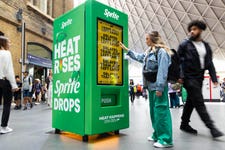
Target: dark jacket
190 62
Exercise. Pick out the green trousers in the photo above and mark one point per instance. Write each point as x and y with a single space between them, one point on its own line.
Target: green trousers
161 117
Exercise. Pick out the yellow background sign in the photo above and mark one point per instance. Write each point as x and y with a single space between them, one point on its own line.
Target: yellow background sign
110 54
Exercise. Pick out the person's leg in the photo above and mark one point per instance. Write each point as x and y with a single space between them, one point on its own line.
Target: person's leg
172 100
188 107
39 97
47 100
151 108
42 98
0 96
187 110
36 95
25 101
163 121
26 98
133 95
19 103
198 103
16 102
50 95
17 97
177 100
7 96
30 100
130 97
222 95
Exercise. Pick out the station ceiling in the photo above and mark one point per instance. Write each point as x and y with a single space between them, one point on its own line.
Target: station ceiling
170 18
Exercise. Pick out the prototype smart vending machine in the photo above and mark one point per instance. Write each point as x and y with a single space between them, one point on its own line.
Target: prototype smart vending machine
90 73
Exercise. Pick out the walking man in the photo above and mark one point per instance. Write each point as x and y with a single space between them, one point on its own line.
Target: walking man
196 57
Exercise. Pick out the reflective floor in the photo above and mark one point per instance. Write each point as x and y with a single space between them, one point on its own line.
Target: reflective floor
32 131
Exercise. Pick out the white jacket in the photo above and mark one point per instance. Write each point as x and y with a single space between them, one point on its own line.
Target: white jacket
6 68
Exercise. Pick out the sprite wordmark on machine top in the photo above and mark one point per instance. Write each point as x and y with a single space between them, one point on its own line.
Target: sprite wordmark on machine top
111 14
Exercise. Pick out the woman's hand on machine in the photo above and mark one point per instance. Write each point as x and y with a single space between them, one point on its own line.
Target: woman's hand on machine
123 46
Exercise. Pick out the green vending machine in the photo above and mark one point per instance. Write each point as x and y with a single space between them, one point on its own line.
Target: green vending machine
90 73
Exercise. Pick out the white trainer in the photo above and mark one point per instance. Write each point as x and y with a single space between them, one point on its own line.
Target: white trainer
5 130
150 138
159 145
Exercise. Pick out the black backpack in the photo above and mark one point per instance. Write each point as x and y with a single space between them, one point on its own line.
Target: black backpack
174 68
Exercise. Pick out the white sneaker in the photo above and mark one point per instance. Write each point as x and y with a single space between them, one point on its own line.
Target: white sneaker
150 138
159 145
5 130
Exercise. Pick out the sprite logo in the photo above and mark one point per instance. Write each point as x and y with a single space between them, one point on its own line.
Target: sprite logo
66 23
111 14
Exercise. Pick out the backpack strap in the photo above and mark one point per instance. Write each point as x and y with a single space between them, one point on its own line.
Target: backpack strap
156 56
156 53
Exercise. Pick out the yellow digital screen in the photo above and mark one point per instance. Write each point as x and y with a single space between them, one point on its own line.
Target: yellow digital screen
110 54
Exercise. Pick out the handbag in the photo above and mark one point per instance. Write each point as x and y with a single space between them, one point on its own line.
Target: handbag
150 76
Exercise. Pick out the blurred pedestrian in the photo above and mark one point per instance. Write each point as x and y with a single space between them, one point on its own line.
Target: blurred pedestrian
0 97
17 94
49 87
196 57
132 94
7 82
139 90
27 90
174 99
44 93
223 90
37 91
1 34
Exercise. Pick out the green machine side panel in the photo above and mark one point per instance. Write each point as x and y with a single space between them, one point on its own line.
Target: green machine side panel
106 82
68 72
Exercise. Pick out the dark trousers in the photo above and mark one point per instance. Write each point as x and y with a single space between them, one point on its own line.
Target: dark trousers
0 96
6 89
174 100
132 96
195 100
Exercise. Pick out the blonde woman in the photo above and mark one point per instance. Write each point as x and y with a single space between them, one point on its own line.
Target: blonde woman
7 82
156 62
